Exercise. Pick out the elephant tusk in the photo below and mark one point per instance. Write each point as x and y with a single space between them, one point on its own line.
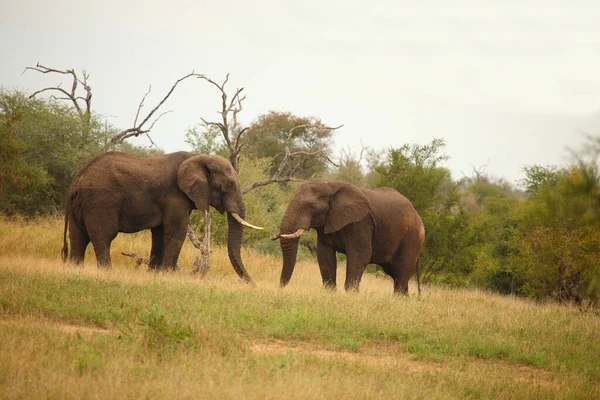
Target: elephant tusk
294 235
241 221
275 237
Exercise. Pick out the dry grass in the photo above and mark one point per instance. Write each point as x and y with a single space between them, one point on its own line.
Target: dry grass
83 333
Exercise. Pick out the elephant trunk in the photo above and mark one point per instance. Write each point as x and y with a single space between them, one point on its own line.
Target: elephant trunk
289 250
234 243
289 238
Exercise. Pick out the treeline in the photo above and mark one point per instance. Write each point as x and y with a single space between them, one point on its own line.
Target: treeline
542 241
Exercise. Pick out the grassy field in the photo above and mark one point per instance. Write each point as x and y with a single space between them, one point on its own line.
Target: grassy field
82 333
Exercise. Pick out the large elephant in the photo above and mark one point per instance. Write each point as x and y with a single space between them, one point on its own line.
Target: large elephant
370 226
118 192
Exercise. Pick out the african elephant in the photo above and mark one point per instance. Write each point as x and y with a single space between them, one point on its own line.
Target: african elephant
118 192
370 226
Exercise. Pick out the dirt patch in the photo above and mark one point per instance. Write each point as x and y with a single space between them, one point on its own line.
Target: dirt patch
521 372
81 329
47 323
388 355
381 357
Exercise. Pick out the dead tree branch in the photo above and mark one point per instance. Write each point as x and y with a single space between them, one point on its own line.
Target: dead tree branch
267 182
139 260
138 129
230 128
85 110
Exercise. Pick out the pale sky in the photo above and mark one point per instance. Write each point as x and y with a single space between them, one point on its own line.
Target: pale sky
506 83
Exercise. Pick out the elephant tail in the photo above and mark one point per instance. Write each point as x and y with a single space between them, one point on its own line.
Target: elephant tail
65 249
419 276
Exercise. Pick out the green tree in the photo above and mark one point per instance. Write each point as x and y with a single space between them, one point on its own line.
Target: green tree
19 180
206 139
414 170
307 138
491 205
51 146
555 246
537 176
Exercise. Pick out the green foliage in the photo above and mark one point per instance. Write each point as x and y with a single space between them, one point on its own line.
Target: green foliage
537 176
555 247
491 206
414 171
19 180
205 139
50 145
88 362
162 331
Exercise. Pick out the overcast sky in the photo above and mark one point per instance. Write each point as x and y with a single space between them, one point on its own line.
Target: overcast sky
506 83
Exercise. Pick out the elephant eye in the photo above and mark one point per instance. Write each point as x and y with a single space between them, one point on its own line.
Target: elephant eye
228 186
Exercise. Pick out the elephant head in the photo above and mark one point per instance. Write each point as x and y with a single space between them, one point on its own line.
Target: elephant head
317 204
211 180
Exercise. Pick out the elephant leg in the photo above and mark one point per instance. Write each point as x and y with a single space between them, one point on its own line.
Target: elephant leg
173 237
79 241
405 262
102 230
327 265
102 250
358 254
356 263
157 251
389 269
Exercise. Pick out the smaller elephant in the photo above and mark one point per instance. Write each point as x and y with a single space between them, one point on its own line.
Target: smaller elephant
378 226
118 192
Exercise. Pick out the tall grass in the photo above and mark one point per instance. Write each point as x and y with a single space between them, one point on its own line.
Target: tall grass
81 332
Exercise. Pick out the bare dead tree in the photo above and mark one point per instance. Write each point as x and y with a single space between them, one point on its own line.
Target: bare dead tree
479 172
84 110
288 156
201 263
348 156
229 125
232 133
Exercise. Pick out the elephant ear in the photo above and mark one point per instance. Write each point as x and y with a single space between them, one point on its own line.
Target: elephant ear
349 204
192 179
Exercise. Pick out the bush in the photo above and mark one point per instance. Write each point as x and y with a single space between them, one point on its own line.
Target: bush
555 247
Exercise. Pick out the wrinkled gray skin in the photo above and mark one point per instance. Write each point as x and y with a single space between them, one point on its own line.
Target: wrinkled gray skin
118 192
370 226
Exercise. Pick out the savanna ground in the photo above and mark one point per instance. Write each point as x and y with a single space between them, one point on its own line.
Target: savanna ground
70 332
